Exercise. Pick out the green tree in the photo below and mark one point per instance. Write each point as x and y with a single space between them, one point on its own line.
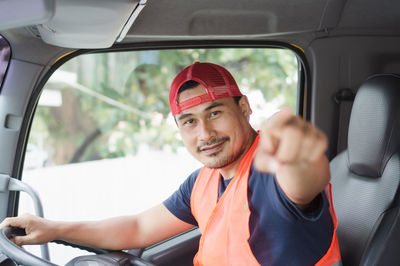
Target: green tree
118 101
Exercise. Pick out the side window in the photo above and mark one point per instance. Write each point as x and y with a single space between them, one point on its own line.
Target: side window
5 53
103 141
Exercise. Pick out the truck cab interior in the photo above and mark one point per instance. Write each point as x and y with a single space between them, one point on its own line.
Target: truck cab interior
345 61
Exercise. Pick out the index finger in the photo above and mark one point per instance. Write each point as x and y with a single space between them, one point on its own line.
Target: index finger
11 221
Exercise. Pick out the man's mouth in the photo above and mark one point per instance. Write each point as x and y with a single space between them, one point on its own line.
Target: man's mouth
212 147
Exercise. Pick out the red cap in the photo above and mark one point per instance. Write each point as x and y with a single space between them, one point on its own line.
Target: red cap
218 82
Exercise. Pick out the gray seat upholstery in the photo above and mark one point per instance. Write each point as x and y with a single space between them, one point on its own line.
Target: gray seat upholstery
366 176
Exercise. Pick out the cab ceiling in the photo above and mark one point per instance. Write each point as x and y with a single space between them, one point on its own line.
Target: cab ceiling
260 18
299 21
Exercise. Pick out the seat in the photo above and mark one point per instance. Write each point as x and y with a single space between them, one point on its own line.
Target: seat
365 176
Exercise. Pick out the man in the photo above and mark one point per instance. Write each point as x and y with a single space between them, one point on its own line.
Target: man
272 211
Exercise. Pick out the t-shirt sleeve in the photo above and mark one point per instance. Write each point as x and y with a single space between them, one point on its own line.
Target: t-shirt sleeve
285 207
179 202
294 210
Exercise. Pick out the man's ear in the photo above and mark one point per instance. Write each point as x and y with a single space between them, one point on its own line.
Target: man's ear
244 106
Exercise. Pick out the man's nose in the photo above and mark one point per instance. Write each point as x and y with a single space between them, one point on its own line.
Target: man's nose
207 131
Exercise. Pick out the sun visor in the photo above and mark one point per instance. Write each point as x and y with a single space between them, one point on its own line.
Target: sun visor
22 13
89 23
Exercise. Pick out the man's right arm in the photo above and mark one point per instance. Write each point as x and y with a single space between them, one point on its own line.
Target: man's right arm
125 232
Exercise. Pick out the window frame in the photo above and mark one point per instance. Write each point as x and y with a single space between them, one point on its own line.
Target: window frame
303 88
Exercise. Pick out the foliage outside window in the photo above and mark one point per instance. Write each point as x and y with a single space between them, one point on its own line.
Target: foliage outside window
109 105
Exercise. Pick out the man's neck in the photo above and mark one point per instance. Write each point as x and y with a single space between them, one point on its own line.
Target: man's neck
230 170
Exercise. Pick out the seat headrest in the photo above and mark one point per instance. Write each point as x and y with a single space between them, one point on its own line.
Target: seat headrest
374 129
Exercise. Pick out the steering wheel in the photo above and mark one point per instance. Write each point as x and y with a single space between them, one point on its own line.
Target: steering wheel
20 255
16 253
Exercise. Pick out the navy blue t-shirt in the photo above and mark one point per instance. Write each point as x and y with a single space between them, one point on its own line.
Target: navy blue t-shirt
280 233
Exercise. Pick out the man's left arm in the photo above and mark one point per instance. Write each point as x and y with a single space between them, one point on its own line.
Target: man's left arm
294 150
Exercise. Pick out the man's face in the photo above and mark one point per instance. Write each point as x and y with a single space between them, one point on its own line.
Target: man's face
216 133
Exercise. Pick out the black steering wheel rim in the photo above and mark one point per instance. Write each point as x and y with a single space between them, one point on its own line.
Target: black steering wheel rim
16 253
20 255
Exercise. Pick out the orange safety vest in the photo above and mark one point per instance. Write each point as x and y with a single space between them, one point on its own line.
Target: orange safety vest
224 224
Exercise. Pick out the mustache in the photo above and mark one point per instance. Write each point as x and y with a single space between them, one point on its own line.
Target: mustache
211 142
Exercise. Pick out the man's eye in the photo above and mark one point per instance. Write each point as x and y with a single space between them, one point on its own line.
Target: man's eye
189 122
214 113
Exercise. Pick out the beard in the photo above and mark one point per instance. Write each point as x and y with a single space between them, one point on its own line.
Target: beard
219 160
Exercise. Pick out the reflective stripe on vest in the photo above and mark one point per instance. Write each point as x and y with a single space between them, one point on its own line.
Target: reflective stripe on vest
224 223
